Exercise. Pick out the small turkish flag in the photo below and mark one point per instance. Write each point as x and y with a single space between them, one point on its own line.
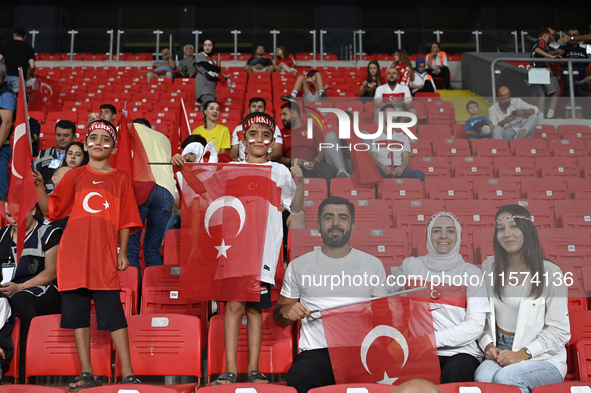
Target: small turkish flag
391 341
224 229
181 129
45 95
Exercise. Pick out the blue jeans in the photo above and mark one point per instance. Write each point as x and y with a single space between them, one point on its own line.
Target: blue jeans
13 83
408 174
526 375
157 210
5 155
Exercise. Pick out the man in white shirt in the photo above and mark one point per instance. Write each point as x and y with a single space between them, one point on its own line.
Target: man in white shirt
392 156
512 118
394 93
237 150
303 295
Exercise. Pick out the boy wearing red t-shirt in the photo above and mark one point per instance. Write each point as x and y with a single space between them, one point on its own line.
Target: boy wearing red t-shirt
101 205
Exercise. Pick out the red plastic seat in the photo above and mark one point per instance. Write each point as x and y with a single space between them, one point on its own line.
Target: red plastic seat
434 131
473 213
393 189
584 166
545 131
568 148
315 188
567 246
580 328
172 247
119 388
518 167
388 244
29 389
345 188
549 189
471 167
414 213
579 188
354 387
490 148
484 387
303 241
371 213
482 240
311 210
562 387
541 211
445 189
496 189
573 214
561 167
441 112
130 287
13 367
420 147
168 344
248 388
567 131
451 148
431 166
529 148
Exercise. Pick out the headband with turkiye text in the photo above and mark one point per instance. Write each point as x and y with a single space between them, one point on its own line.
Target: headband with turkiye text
258 118
103 126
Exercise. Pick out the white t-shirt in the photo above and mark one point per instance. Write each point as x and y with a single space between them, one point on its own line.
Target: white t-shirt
400 92
301 282
238 133
390 157
450 337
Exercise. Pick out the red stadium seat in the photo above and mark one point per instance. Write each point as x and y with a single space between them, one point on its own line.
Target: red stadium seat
579 188
576 298
562 387
529 148
545 131
445 189
276 350
120 388
583 359
434 131
515 167
473 213
421 147
549 167
164 345
303 241
311 210
371 213
482 240
541 211
496 189
584 166
573 214
388 244
567 246
471 167
451 148
490 148
345 188
431 166
354 388
315 188
29 389
549 189
248 388
574 131
129 287
483 387
568 148
12 369
414 214
441 112
392 189
172 247
580 328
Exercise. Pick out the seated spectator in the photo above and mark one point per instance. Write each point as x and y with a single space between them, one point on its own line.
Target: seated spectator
393 161
457 324
541 50
373 79
187 67
75 155
162 68
211 131
7 114
404 66
528 327
296 144
422 82
512 118
50 159
108 113
311 85
237 150
394 93
258 62
476 126
437 64
31 282
285 62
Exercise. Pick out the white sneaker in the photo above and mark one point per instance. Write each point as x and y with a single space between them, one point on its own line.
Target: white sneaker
550 114
541 115
342 174
521 134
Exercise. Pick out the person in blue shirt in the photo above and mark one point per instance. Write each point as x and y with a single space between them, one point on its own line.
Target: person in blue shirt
7 111
475 127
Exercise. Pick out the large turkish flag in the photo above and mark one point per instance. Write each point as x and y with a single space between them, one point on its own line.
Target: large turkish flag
225 210
391 341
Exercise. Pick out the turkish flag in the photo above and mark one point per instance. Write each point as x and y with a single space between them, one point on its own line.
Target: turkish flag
22 193
45 95
181 129
392 341
225 210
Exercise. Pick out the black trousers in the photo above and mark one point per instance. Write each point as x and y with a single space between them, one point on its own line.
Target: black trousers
458 368
27 306
310 369
444 73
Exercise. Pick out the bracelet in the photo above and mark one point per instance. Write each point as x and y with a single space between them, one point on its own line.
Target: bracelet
22 286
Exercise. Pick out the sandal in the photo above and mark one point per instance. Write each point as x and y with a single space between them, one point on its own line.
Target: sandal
89 382
131 380
254 375
227 376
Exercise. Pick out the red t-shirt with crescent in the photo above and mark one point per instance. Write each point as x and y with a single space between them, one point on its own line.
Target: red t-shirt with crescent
99 205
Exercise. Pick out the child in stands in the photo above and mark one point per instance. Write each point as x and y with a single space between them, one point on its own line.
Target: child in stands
476 126
101 205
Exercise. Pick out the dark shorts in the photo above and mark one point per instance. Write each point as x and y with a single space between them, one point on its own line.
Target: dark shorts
76 309
265 301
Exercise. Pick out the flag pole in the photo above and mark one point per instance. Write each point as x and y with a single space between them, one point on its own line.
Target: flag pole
370 299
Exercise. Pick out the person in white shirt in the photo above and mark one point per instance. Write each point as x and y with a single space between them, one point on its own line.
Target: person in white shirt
256 104
394 93
512 118
526 332
300 296
459 311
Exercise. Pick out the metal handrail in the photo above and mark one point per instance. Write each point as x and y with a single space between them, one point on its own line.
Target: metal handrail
540 60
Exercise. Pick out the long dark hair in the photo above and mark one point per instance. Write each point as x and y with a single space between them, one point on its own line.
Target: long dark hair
531 252
378 75
205 107
285 54
84 153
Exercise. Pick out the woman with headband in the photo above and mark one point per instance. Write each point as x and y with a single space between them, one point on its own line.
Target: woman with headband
459 309
525 334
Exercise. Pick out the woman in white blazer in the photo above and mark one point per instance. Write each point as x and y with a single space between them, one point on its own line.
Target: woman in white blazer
526 332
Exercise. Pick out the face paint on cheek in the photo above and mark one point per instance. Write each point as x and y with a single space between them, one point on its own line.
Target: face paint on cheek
251 141
106 147
90 145
267 142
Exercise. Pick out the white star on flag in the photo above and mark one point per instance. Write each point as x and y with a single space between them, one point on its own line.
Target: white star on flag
387 380
222 249
106 204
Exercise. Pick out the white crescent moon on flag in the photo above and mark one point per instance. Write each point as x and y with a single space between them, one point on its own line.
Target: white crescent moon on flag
47 86
382 331
85 202
224 201
19 131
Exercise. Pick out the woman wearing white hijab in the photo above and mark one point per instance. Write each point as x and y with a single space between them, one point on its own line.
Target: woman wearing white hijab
459 309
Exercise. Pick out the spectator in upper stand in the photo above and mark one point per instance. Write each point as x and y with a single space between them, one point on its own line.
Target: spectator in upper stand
285 61
186 68
476 126
372 80
51 159
312 87
17 53
541 50
163 68
437 64
108 113
237 151
404 66
75 156
7 112
571 49
394 93
392 156
423 82
296 144
208 74
211 130
512 118
258 62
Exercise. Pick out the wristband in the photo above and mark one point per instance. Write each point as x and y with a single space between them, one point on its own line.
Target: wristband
22 286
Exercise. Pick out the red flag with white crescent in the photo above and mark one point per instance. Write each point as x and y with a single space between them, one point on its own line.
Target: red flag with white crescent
22 193
181 129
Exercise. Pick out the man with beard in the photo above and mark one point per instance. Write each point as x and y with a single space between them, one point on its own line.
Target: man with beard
512 118
394 93
309 285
